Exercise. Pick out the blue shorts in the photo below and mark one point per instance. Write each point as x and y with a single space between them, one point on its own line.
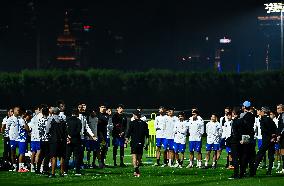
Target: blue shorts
210 147
228 149
22 146
222 144
92 145
168 144
108 142
259 143
13 144
277 146
35 146
117 141
178 147
195 146
159 142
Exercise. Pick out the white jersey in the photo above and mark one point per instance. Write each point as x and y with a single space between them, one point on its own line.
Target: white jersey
15 125
85 127
227 129
180 131
214 132
170 123
195 129
223 120
109 127
257 128
7 128
275 121
33 125
160 125
43 127
93 124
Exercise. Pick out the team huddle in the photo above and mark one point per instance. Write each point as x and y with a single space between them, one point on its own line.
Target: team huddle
52 135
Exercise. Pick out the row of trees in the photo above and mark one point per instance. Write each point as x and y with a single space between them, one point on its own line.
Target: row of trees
207 90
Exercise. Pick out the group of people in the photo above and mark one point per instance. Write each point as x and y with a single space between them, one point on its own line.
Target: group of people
236 132
53 135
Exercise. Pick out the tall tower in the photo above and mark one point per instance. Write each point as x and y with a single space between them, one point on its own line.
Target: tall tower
67 55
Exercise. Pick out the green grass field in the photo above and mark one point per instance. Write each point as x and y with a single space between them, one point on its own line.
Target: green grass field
149 176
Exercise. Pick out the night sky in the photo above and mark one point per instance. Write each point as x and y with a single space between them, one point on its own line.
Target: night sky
155 33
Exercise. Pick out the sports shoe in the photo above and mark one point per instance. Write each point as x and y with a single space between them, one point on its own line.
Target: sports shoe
78 174
180 166
135 174
52 176
156 165
176 165
280 172
13 169
189 166
233 177
122 165
23 170
164 165
230 167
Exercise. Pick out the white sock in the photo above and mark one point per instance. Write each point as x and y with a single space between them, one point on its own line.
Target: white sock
32 166
190 162
15 165
213 164
206 163
199 163
170 162
21 165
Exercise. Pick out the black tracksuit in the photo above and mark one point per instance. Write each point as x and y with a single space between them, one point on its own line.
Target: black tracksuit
137 131
268 127
73 129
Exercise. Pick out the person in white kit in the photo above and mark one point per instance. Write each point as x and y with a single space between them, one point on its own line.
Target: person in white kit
214 133
258 136
227 128
180 132
169 135
272 115
160 125
222 121
196 130
35 138
18 134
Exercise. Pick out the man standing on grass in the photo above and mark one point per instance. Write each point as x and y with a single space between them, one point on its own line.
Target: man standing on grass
5 130
214 132
280 132
138 133
196 130
17 134
160 125
119 121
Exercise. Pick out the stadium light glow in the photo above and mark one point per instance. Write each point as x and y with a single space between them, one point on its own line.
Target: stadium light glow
277 7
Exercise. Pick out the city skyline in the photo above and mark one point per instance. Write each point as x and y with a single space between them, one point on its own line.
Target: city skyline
135 36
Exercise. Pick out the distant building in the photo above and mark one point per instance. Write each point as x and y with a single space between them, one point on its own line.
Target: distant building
67 51
270 28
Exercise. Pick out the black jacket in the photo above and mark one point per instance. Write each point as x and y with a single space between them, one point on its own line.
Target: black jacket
280 129
268 127
137 131
236 136
74 127
102 124
57 131
119 124
247 125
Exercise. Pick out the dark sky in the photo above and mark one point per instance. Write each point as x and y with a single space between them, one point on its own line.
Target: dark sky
156 33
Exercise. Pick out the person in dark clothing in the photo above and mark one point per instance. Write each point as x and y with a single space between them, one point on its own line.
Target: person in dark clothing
280 132
103 118
139 134
269 138
57 141
247 143
73 129
119 121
